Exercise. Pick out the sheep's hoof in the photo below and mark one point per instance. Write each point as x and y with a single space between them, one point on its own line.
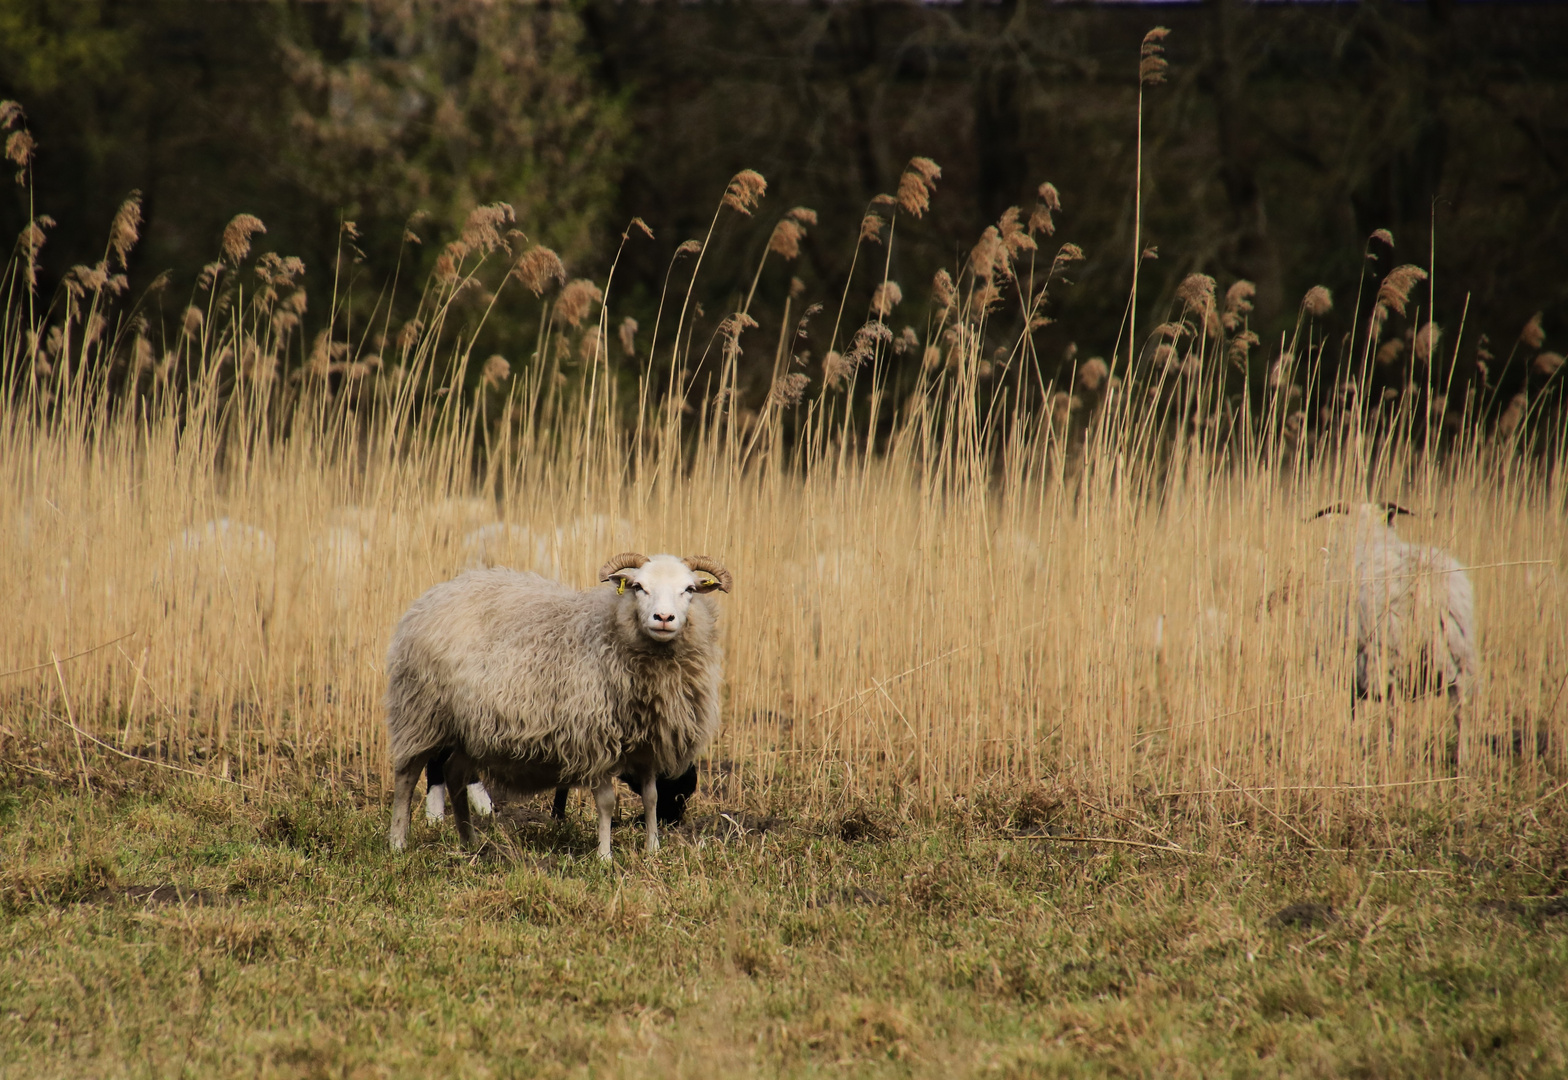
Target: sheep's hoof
604 856
398 843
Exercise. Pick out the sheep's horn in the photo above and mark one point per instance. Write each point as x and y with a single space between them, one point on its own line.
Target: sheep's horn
620 562
711 566
1392 508
1331 508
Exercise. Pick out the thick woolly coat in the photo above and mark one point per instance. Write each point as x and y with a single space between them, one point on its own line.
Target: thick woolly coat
1410 606
542 685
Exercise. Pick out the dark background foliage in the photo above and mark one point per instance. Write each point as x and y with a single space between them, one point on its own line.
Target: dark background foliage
1285 136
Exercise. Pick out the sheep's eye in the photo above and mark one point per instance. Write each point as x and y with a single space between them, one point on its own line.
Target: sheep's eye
691 588
637 588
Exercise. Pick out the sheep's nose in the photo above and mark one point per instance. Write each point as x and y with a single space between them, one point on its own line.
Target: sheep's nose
664 619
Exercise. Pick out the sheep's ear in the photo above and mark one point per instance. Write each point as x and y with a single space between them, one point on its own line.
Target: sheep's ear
710 573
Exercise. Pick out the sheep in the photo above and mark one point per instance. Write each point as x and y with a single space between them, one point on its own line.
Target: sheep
537 685
1413 607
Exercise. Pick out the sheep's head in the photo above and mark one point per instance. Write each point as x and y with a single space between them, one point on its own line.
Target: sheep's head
663 587
1367 511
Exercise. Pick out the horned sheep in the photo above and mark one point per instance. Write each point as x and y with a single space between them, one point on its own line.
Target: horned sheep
1412 606
536 685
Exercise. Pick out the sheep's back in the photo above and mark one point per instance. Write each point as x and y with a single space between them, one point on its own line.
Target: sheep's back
514 661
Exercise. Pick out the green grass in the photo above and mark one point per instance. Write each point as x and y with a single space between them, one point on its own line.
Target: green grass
949 947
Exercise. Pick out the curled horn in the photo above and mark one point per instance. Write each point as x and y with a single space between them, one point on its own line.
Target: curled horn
1331 508
710 566
1392 508
621 562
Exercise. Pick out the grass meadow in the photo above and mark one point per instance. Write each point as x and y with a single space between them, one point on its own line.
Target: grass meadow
1039 753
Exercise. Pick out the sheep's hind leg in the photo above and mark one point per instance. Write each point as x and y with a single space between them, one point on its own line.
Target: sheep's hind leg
650 803
403 784
604 799
460 773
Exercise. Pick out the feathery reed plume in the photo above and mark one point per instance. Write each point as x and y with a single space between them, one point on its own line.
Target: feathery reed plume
588 347
942 292
409 335
1172 330
446 266
871 227
32 242
1238 304
1197 292
917 185
19 147
785 241
1092 375
1533 334
1390 351
1384 236
1013 233
237 235
194 319
1152 65
628 336
482 231
126 227
496 371
1066 255
787 390
805 316
797 288
1040 221
988 258
1425 343
640 224
908 341
688 247
538 267
885 298
745 191
1318 302
1394 293
1513 415
1240 347
1547 364
835 369
576 300
932 358
11 114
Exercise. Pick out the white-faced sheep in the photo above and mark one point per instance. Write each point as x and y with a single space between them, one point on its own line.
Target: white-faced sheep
1412 606
537 685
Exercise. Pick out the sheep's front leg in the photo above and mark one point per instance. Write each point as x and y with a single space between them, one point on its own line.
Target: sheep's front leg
402 795
650 801
604 799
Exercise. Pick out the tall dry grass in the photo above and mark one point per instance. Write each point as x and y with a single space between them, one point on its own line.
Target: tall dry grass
986 579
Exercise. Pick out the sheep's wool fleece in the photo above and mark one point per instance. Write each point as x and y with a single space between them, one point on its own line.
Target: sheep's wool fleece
1413 609
518 670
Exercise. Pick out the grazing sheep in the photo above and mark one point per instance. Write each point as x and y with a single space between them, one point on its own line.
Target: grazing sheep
537 685
1413 607
218 563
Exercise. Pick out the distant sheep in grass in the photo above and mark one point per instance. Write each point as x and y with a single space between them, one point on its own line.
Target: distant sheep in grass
1412 607
538 686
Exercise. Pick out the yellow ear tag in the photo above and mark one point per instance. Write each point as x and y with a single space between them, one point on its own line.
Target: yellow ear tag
620 586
